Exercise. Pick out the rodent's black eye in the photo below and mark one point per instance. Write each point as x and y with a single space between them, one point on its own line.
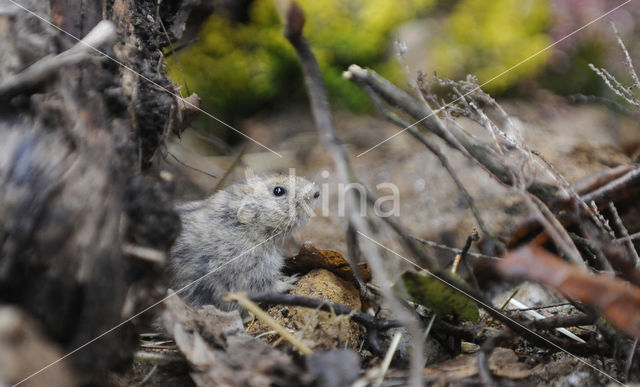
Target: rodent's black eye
279 191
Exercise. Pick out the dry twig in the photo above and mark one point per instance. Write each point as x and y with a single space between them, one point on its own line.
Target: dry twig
48 67
242 299
324 124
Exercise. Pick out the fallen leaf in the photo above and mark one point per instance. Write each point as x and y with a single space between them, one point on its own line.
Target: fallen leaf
438 297
617 300
310 258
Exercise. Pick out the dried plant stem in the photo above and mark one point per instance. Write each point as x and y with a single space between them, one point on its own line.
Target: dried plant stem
387 358
364 319
428 119
563 321
632 352
624 92
47 67
555 229
433 148
324 124
242 299
625 186
454 250
237 160
624 233
627 58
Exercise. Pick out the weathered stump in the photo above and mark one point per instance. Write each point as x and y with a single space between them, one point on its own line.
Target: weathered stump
82 230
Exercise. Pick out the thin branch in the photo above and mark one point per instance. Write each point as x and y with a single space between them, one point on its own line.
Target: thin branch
622 230
463 256
237 160
626 93
614 85
593 247
473 237
366 320
558 234
394 118
321 112
594 99
564 321
635 235
626 186
191 167
485 352
632 352
454 250
570 189
352 254
540 307
427 118
46 68
242 299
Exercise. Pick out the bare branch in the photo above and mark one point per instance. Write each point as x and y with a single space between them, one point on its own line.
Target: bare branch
428 119
44 69
320 109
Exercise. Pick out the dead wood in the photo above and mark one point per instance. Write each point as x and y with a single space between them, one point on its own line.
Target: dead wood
429 120
366 320
221 353
323 120
618 300
78 127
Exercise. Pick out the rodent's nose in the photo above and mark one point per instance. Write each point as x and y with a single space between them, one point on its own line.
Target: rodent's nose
316 195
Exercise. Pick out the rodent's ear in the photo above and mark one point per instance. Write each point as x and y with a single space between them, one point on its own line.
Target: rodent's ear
247 212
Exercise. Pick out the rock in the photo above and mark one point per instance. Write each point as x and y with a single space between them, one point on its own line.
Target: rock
320 330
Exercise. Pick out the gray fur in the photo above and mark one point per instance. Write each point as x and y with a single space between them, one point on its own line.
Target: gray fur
233 237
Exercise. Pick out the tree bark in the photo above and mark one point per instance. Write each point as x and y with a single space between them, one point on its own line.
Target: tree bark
77 182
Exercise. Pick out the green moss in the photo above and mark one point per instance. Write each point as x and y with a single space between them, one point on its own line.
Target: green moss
431 292
487 37
240 68
576 76
236 67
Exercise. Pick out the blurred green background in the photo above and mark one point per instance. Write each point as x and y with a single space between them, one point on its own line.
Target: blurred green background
239 67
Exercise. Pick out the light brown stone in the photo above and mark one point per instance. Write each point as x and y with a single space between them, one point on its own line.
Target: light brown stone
319 330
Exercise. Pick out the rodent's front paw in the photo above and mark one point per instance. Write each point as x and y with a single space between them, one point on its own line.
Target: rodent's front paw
285 285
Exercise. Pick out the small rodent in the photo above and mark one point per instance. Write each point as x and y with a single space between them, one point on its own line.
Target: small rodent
231 241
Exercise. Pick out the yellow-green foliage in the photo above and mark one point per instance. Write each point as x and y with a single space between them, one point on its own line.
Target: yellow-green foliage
344 32
487 37
237 67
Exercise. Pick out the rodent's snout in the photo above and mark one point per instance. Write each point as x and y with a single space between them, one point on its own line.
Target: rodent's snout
309 194
312 193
